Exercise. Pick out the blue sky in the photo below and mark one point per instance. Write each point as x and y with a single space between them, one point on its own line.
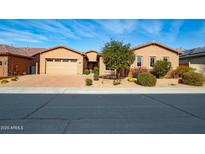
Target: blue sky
92 34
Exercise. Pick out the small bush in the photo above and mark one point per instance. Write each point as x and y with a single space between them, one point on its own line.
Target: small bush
161 67
15 78
116 82
96 70
88 82
86 71
184 69
146 79
193 78
4 81
138 70
130 79
96 77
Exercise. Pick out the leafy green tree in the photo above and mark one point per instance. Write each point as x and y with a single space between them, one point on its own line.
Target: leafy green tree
161 67
117 56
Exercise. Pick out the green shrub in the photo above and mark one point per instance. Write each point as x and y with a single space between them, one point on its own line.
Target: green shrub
184 69
130 79
86 71
193 78
15 78
146 79
116 82
4 81
96 77
88 82
96 70
161 67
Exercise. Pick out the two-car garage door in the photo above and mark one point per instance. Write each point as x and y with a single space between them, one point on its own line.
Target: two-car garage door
61 66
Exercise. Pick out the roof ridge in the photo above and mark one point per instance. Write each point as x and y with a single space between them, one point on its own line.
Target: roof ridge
154 42
61 46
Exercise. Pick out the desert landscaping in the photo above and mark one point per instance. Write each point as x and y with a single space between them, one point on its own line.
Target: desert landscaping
79 82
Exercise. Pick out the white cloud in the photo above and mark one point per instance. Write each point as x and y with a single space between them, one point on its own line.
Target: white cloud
153 27
160 29
3 41
118 26
85 29
54 27
8 34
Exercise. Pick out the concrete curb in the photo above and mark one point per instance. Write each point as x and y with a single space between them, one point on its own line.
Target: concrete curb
40 90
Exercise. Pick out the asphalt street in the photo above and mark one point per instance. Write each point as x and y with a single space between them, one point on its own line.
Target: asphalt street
102 113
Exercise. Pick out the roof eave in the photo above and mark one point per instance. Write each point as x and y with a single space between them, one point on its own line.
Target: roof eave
56 47
154 43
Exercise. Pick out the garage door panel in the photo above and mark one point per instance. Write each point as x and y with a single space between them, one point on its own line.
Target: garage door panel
66 67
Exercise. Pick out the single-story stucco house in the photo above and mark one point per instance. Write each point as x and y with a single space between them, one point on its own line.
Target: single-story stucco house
194 58
61 60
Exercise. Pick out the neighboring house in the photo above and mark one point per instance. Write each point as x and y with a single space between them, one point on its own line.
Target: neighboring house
61 60
147 54
194 58
16 61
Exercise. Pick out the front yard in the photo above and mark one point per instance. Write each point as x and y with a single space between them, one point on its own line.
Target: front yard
78 81
170 83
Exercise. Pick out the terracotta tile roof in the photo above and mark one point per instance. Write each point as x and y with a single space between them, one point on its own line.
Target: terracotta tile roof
26 52
156 43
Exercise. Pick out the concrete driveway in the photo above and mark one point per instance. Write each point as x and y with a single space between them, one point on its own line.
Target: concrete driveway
58 113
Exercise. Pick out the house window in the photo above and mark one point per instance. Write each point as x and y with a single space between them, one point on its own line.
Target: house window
73 60
152 61
57 60
65 60
139 60
165 58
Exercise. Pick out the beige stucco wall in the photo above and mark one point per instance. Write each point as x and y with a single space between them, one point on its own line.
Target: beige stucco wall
4 66
158 52
200 68
63 54
92 56
102 68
